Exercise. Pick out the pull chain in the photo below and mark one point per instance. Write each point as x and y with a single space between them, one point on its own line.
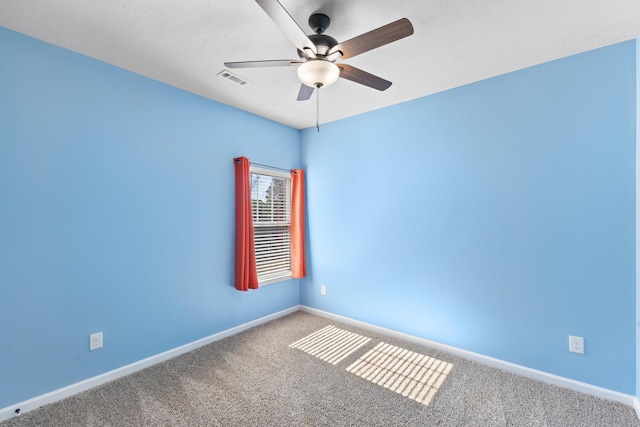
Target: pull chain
318 108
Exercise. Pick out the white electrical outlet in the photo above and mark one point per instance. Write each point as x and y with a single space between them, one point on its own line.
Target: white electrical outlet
576 344
323 290
95 341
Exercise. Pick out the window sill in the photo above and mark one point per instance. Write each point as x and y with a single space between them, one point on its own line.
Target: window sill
274 280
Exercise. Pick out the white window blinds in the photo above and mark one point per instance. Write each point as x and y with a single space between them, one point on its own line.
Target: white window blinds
271 205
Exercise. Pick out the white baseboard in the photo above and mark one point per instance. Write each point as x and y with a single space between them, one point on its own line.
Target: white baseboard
488 361
56 395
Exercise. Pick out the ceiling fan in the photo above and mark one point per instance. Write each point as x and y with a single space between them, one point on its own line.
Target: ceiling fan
319 52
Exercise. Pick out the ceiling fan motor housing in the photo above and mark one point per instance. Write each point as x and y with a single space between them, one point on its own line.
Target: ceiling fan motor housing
319 22
323 43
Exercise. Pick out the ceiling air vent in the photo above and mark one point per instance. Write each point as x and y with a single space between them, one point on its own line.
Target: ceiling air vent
232 77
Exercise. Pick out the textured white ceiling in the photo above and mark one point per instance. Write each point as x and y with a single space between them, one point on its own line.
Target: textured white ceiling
185 43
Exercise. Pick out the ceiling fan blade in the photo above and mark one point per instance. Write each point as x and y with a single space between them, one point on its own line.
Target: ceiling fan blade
374 38
289 27
256 64
305 92
357 75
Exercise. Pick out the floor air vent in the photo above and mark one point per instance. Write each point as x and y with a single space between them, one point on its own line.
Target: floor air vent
232 77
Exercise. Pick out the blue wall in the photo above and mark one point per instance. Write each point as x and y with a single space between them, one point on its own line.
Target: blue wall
497 217
637 219
116 215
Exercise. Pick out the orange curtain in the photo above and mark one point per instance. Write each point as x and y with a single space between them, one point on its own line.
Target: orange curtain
246 275
298 260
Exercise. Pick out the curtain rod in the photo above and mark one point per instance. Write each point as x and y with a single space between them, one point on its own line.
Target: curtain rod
270 167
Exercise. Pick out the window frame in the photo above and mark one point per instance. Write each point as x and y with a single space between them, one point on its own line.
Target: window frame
287 274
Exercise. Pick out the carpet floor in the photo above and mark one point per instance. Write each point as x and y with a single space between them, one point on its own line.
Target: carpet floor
304 370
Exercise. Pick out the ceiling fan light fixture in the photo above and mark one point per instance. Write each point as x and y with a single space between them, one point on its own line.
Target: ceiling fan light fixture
318 73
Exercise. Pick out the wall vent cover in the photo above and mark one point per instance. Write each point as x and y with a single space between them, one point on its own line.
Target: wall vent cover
234 78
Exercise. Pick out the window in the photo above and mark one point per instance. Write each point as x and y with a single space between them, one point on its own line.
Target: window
271 208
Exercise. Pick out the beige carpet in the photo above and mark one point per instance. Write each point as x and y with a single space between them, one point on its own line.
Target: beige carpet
303 370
